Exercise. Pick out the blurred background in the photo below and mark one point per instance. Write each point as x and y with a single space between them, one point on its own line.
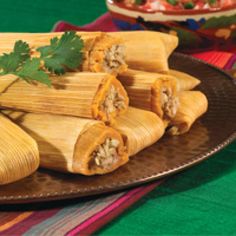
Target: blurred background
201 30
41 15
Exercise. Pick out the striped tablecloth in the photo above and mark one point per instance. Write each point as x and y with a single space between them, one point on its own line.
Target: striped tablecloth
83 216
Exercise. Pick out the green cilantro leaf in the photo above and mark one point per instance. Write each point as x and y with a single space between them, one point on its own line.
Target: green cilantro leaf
22 49
212 2
62 53
18 62
189 5
12 61
31 71
172 2
138 2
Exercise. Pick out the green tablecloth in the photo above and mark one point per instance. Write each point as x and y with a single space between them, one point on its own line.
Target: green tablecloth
199 201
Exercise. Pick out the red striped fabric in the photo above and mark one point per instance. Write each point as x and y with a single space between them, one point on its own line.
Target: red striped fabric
100 222
216 58
22 226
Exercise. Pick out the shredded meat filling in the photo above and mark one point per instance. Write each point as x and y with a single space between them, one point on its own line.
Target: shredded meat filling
106 154
113 101
173 130
114 58
169 103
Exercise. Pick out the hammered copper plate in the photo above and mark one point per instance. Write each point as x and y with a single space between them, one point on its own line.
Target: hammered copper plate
212 132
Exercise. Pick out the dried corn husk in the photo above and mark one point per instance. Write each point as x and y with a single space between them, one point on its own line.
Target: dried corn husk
185 81
68 144
139 129
102 52
19 156
151 91
76 94
170 42
193 104
147 50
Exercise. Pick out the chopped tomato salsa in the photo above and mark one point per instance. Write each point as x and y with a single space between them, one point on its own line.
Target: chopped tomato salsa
170 5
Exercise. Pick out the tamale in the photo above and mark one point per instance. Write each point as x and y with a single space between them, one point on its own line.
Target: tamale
19 155
170 41
83 94
71 144
102 52
147 50
139 129
184 81
193 104
151 91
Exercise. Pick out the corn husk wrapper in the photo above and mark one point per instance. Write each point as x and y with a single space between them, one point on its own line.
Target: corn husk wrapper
97 46
193 104
139 129
19 155
145 91
185 81
147 50
170 41
75 94
66 144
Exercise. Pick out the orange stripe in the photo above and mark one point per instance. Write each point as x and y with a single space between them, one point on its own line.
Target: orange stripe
7 216
16 220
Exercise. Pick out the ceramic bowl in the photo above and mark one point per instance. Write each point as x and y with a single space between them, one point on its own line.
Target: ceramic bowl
198 30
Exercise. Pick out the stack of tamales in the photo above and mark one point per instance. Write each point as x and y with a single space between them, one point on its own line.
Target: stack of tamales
83 124
167 95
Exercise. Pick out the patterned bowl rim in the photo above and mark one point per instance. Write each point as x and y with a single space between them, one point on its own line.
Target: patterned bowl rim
231 7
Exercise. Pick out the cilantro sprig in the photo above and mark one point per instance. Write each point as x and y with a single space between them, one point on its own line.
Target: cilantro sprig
18 63
62 54
30 71
11 62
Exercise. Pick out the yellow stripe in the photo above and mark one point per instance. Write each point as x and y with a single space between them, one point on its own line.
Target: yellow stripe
16 220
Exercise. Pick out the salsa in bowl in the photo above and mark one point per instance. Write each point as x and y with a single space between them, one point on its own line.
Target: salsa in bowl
176 5
199 24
